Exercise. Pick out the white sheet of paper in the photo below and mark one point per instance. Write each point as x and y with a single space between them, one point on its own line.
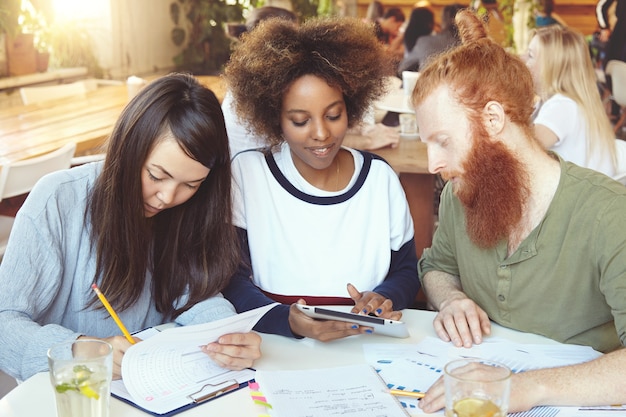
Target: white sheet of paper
342 391
416 367
161 372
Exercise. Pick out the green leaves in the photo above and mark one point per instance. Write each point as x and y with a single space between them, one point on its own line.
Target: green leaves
80 383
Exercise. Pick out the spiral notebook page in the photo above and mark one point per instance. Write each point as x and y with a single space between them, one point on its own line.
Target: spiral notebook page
343 391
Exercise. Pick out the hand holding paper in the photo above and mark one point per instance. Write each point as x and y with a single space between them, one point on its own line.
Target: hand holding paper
162 373
235 351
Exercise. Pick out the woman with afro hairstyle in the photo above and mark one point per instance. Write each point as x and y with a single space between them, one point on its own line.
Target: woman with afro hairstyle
324 224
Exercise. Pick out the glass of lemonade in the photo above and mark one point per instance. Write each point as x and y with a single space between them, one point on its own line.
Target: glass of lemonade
477 388
80 372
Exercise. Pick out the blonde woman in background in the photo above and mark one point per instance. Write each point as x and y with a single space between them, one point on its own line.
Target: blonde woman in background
570 119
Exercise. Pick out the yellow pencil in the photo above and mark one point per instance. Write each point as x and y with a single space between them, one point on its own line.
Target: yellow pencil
402 393
113 314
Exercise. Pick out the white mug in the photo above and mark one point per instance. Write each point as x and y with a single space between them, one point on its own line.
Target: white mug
409 78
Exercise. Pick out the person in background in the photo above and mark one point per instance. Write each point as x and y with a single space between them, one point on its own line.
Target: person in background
388 26
571 119
367 135
613 40
545 16
525 238
388 30
322 223
428 46
149 225
616 37
375 10
421 23
259 14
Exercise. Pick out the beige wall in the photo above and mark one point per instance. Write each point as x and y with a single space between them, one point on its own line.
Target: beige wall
132 37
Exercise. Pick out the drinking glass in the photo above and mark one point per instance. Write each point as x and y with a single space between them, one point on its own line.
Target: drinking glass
476 388
408 126
80 373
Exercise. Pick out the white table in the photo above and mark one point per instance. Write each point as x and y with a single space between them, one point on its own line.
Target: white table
35 397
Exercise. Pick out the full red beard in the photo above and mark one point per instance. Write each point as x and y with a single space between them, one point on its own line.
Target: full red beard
493 189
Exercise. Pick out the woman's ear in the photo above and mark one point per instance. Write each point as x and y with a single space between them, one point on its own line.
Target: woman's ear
493 118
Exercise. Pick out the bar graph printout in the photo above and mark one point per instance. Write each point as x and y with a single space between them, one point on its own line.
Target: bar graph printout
415 367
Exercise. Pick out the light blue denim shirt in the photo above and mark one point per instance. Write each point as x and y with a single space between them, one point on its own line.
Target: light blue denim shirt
47 272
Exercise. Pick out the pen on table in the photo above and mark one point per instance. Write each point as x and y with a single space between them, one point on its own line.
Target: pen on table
402 393
113 314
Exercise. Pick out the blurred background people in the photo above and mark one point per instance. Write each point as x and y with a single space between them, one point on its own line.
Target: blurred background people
616 36
421 23
375 11
612 41
429 46
545 16
570 119
389 31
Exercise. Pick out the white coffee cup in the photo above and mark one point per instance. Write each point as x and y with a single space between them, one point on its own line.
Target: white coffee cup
134 84
409 78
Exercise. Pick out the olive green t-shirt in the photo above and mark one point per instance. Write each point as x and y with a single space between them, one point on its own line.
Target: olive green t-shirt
566 281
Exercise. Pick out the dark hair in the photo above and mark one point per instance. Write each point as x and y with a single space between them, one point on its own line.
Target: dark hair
259 14
546 6
342 51
396 13
421 23
374 11
188 249
474 74
447 17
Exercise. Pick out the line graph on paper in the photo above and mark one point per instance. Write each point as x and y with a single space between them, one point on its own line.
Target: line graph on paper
416 367
408 374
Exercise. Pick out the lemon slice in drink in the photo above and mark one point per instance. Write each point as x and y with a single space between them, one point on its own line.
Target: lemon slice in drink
475 407
87 391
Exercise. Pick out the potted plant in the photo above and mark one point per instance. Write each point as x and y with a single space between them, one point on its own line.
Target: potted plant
71 45
207 43
34 22
519 19
9 29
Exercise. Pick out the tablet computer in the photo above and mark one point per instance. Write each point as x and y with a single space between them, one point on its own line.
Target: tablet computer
380 325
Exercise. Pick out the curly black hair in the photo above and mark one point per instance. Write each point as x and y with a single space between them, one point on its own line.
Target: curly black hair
342 51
